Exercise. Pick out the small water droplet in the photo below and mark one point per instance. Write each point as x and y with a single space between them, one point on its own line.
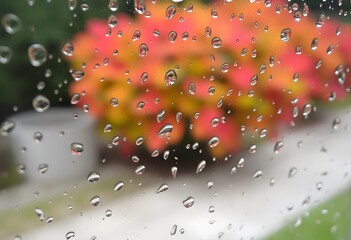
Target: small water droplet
17 237
211 209
307 109
118 186
161 116
21 168
172 36
201 166
93 177
139 6
174 229
7 127
216 42
68 49
209 184
170 77
77 148
174 171
5 54
321 20
139 170
179 116
37 137
40 213
11 23
43 168
113 5
70 235
336 123
37 55
115 140
95 201
213 142
285 34
292 172
162 188
77 75
143 50
108 213
165 131
72 4
112 21
258 174
188 202
108 128
278 147
41 103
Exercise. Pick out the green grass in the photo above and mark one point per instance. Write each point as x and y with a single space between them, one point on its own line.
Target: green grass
328 221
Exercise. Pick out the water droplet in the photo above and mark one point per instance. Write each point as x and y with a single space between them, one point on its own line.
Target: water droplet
21 168
108 213
72 4
161 116
321 20
140 169
77 75
143 50
174 171
5 54
209 184
162 188
135 158
330 49
40 213
211 209
43 168
139 6
165 131
285 34
93 177
188 202
241 162
307 109
115 140
95 201
254 80
70 235
278 147
233 170
108 128
75 98
112 21
179 116
118 186
172 36
208 31
216 42
319 186
37 55
170 12
17 237
297 16
68 49
11 23
336 123
77 148
192 88
7 127
258 174
174 229
201 166
40 103
113 5
37 137
166 155
292 172
213 142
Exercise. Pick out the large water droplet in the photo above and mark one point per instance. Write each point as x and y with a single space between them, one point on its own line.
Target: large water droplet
173 230
95 201
75 98
37 55
188 202
143 50
5 54
11 23
112 21
139 6
201 166
93 177
77 75
68 49
77 148
216 42
165 131
278 146
213 142
140 169
162 188
285 34
170 12
161 116
113 5
192 88
70 235
7 127
118 186
40 103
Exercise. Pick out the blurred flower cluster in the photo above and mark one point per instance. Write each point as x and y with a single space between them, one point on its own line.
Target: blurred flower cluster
220 74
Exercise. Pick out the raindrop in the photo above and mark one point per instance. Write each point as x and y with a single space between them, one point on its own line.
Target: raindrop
37 137
11 23
118 186
188 202
214 122
208 31
143 50
201 166
285 34
108 213
307 109
278 147
241 162
95 201
170 77
43 168
165 130
214 13
216 42
40 213
108 128
213 142
292 172
192 88
70 235
115 140
139 141
174 229
209 184
172 36
179 116
225 68
37 55
72 4
263 133
68 49
170 12
314 44
77 75
113 5
211 209
297 16
21 168
93 177
254 80
140 169
114 102
321 20
135 159
112 21
7 127
139 6
162 188
336 123
319 186
166 154
40 103
77 148
257 174
330 49
75 98
174 171
5 54
161 116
